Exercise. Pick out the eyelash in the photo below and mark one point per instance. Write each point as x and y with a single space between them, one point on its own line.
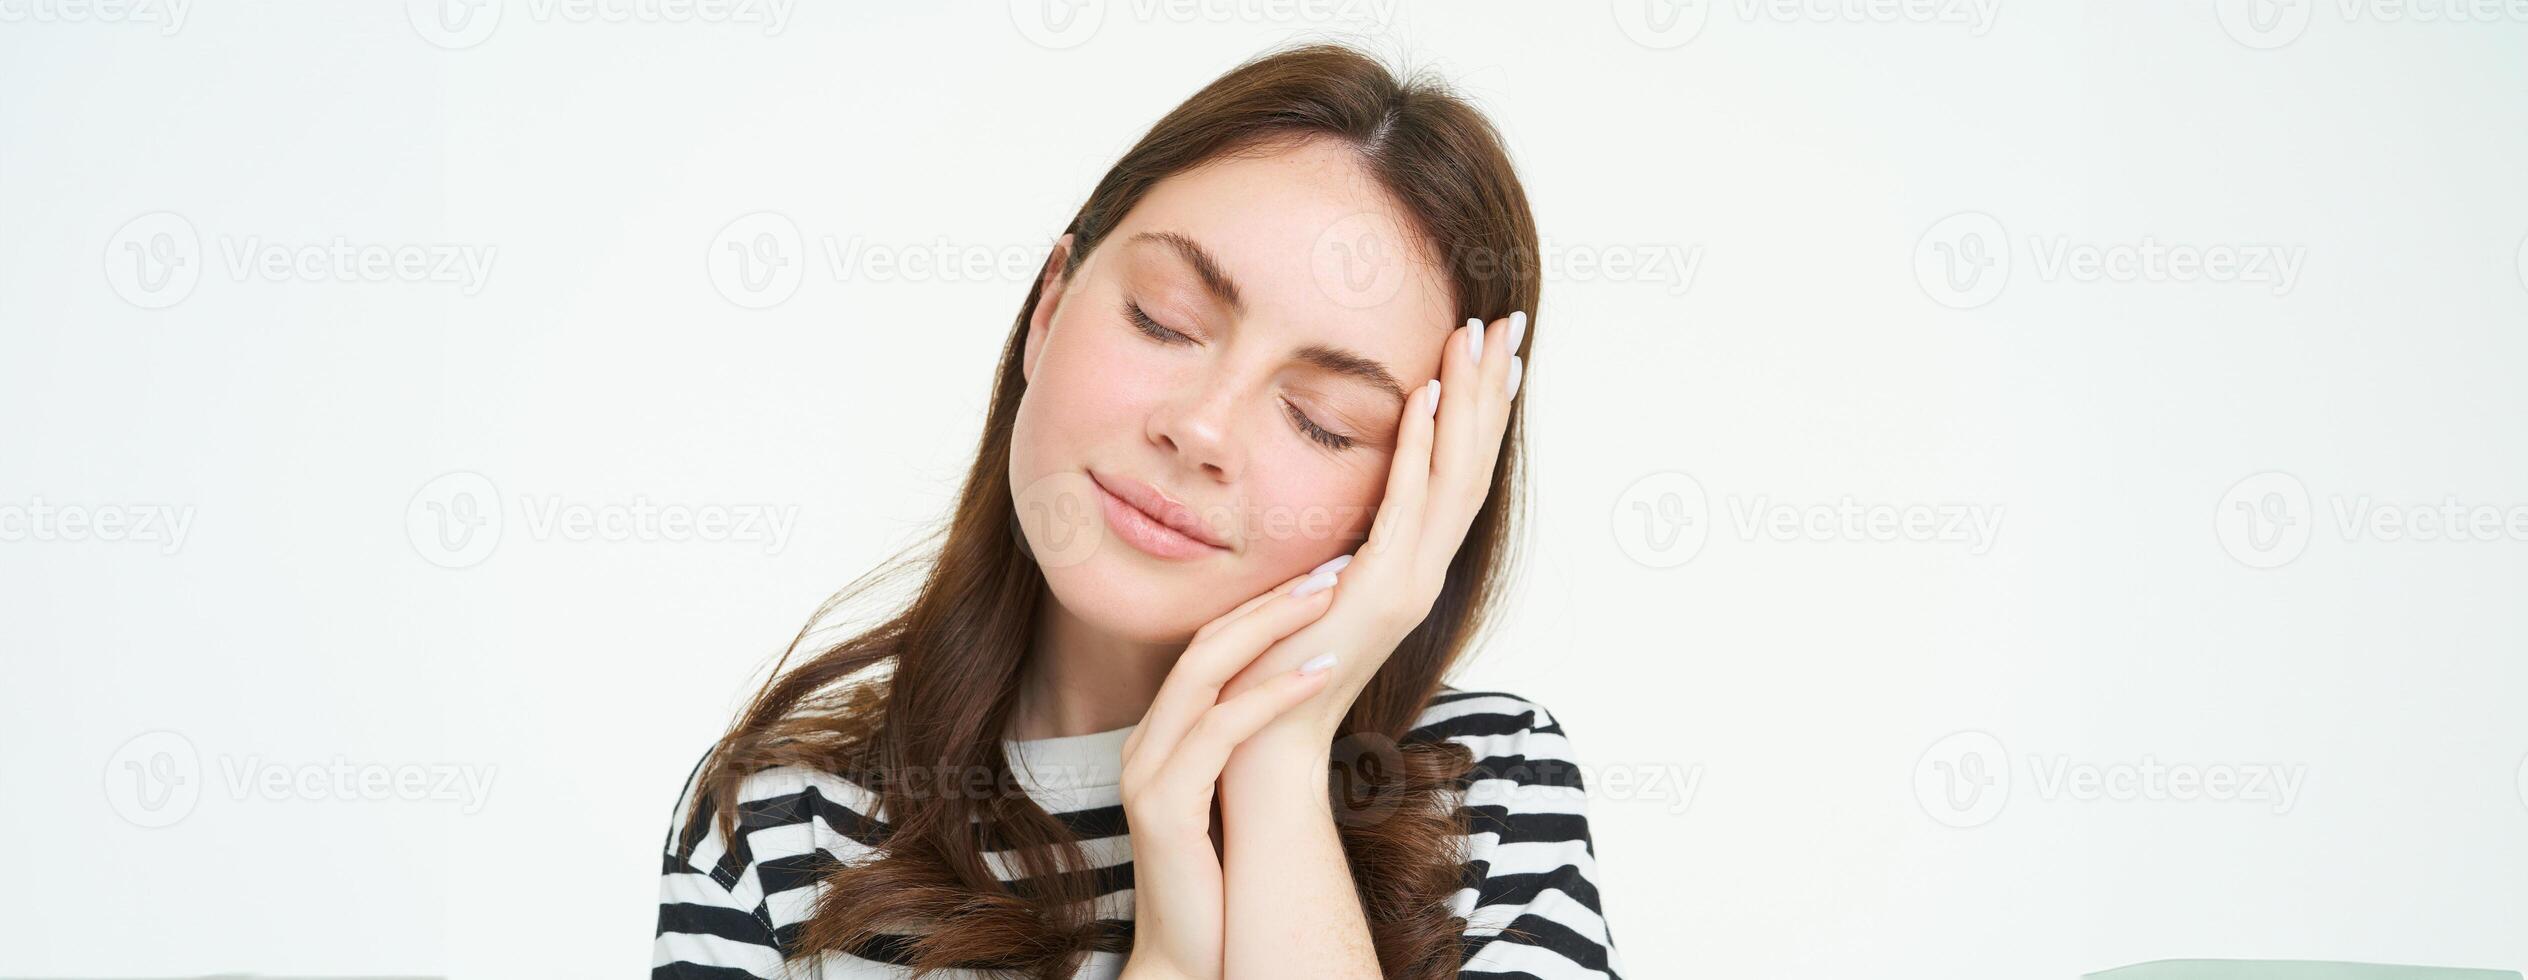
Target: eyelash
1330 440
1308 427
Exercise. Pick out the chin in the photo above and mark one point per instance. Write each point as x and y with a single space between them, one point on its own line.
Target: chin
1137 606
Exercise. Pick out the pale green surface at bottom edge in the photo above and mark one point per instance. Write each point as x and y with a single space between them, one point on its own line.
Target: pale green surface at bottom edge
2291 970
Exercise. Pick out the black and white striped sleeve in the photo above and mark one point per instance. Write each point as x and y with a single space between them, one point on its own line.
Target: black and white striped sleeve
713 920
1531 899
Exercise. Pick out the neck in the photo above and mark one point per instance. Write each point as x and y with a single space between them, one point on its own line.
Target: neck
1079 679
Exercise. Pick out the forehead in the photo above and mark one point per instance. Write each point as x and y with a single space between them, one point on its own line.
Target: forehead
1310 238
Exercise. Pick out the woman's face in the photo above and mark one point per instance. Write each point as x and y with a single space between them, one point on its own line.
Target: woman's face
1233 357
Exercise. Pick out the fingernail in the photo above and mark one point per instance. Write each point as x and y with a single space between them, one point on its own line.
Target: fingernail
1518 329
1474 339
1316 583
1516 365
1431 403
1334 564
1322 661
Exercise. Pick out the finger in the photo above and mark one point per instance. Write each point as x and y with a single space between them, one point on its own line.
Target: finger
1464 405
1205 749
1327 569
1332 565
1461 369
1193 685
1465 415
1496 421
1399 519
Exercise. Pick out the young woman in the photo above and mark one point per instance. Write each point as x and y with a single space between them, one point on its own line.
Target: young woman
1167 699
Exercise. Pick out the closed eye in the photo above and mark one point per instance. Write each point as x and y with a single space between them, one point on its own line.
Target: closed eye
1308 427
1141 321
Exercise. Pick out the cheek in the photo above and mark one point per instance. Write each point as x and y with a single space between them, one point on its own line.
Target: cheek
1307 507
1089 388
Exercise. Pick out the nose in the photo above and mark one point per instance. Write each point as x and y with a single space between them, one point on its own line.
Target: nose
1197 425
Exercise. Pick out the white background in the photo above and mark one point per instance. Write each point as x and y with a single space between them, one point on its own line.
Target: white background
1807 691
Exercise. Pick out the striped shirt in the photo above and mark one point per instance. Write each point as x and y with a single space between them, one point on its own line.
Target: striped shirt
726 911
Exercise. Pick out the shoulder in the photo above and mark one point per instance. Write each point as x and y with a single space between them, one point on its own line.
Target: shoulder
1459 702
1530 896
1504 730
781 812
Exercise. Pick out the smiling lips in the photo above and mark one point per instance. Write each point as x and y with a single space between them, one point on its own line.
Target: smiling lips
1144 516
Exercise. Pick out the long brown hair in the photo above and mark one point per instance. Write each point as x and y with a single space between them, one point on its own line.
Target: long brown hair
947 663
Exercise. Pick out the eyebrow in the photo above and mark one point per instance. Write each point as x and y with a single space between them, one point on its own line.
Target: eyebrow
1340 361
1215 279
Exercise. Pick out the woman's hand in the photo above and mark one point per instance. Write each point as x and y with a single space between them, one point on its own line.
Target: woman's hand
1172 760
1442 470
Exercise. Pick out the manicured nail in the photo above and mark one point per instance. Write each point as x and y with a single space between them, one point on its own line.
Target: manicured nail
1334 564
1518 329
1322 661
1431 399
1474 339
1516 365
1316 583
